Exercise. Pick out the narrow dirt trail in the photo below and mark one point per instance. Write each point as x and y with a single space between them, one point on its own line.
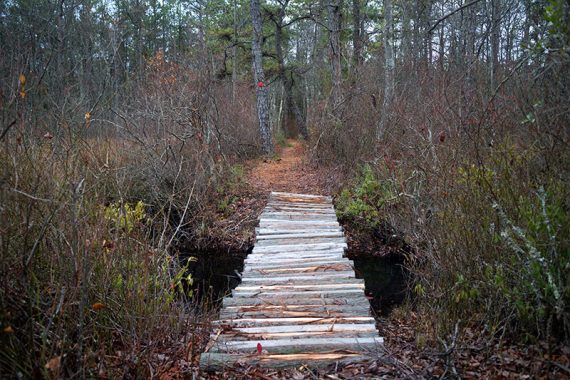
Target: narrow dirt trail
288 173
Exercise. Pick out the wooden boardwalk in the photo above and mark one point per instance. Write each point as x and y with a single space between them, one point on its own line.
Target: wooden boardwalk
299 301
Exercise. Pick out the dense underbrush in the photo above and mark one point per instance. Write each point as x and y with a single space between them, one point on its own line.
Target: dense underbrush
92 213
476 180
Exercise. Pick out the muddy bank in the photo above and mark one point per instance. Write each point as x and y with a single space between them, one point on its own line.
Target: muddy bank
379 256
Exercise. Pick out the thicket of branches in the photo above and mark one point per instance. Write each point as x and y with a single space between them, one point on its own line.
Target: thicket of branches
113 141
456 111
469 161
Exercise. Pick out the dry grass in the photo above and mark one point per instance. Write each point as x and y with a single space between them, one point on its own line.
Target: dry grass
91 282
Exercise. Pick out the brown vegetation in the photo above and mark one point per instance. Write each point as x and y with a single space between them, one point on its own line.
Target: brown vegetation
127 134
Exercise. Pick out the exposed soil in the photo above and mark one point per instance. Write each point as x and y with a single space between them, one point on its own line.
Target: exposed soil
287 172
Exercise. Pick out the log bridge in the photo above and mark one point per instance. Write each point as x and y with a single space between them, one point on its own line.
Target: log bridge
299 302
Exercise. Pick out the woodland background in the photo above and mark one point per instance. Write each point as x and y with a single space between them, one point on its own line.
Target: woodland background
123 122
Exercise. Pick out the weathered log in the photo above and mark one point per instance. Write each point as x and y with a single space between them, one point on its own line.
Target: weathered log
295 346
238 301
299 247
303 235
257 322
315 276
323 266
293 311
277 242
218 361
297 294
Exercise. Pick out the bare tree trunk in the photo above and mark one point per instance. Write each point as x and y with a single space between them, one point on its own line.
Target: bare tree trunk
389 68
287 118
356 34
259 78
334 21
495 35
234 54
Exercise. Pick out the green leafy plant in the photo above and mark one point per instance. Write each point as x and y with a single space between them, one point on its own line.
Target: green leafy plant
367 197
125 216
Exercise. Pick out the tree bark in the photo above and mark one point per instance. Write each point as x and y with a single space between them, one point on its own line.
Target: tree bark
234 53
495 36
259 79
334 21
389 68
356 34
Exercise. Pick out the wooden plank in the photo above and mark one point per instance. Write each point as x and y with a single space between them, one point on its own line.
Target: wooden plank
253 287
295 331
212 361
288 194
300 247
301 235
296 335
298 198
294 346
277 272
295 257
314 206
298 207
308 265
307 328
264 284
291 267
301 307
296 252
310 306
318 276
328 266
297 294
299 256
315 311
298 217
322 213
299 241
299 201
296 231
289 209
301 238
257 322
291 314
300 224
344 271
238 301
292 260
314 222
318 214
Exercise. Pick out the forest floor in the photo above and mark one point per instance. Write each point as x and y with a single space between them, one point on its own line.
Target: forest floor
404 355
288 171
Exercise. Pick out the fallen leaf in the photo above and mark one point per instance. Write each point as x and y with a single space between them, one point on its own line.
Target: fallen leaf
53 364
98 306
8 330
